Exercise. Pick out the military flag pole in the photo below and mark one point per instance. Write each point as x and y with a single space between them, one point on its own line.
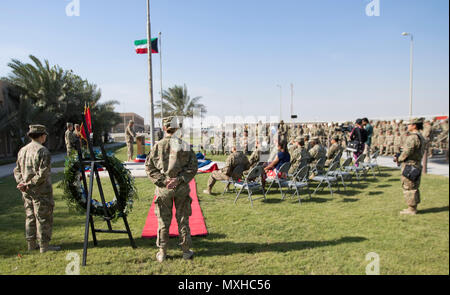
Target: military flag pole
160 74
149 45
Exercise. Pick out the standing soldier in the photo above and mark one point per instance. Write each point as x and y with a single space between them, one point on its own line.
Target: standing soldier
282 132
171 165
130 135
70 139
412 154
33 177
397 142
389 142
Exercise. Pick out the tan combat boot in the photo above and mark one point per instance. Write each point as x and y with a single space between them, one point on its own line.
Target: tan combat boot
32 245
410 211
161 255
46 247
207 192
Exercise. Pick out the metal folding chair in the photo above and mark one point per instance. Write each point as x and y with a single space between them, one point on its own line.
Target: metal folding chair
251 183
299 181
357 168
327 178
238 170
284 169
373 163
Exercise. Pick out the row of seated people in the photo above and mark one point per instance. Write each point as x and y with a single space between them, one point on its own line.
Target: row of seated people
298 152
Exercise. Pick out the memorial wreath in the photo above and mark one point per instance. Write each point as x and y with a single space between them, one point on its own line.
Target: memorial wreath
76 196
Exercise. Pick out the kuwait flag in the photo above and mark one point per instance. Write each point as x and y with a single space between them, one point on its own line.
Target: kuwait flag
141 46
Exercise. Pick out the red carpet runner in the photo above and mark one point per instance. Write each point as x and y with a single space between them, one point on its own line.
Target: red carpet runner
196 221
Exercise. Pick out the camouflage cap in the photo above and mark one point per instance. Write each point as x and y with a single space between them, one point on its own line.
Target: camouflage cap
315 138
416 121
299 138
37 129
335 137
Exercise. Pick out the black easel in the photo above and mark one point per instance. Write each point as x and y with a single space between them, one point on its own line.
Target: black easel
94 171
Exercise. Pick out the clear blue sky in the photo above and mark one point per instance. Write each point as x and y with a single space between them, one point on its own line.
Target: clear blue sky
343 63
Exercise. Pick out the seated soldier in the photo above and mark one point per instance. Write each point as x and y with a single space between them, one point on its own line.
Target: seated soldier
333 151
317 152
298 155
235 159
272 170
254 157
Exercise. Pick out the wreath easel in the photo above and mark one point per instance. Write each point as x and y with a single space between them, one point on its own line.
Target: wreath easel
78 192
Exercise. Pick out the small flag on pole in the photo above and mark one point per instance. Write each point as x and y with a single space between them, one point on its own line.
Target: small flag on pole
87 115
141 46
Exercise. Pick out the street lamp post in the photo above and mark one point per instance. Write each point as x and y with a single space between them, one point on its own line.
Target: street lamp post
410 71
280 100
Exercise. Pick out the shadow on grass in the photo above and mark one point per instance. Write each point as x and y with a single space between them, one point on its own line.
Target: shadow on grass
231 248
393 180
347 200
434 210
383 185
375 193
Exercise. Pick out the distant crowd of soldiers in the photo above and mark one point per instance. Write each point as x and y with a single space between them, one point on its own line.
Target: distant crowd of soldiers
388 136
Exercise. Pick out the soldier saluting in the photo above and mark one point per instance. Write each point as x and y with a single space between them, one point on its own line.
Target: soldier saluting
171 165
411 165
33 179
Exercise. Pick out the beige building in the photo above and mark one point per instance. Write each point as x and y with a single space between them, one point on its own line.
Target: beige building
126 117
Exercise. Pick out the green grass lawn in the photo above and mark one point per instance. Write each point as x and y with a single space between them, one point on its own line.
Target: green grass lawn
323 235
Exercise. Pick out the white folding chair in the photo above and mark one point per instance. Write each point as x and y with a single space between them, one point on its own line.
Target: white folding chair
251 183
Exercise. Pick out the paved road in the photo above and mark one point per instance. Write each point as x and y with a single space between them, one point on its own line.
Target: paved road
6 170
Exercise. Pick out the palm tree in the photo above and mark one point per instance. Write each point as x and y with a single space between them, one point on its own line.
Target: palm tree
52 96
177 102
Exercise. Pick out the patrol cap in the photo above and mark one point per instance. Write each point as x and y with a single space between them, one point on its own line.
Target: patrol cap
37 129
315 138
171 123
416 121
299 138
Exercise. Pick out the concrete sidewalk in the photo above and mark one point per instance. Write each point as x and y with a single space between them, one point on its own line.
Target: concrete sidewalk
6 170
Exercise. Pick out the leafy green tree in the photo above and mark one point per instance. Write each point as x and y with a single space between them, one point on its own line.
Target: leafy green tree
52 96
177 102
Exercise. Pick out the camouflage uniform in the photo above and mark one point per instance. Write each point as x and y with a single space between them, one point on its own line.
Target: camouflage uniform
334 150
130 135
389 143
412 155
282 132
34 170
316 153
234 160
70 140
172 158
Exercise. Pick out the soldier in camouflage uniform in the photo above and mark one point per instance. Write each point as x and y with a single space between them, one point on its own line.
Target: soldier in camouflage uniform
298 155
316 153
397 142
389 143
171 165
33 177
412 154
130 135
427 135
333 151
235 159
282 132
381 139
70 139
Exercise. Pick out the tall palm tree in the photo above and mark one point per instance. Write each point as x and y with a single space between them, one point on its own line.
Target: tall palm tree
177 102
